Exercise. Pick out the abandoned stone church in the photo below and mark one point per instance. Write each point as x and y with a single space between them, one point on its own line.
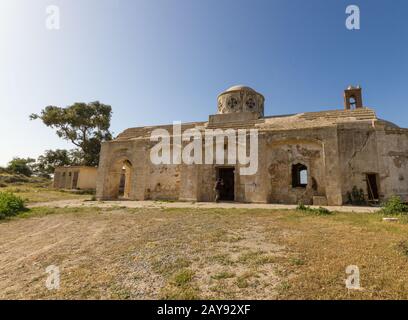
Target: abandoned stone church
312 157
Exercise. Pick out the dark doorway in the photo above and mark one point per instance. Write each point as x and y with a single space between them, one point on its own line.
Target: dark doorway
372 186
125 180
122 183
75 180
227 176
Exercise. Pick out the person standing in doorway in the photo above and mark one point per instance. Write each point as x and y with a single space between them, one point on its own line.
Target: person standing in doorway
217 188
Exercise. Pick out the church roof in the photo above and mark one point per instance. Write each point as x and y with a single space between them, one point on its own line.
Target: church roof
319 119
306 120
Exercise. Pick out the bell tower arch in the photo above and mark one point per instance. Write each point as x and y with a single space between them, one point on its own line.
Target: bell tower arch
353 98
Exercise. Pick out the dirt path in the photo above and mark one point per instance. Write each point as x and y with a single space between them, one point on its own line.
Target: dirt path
204 205
139 254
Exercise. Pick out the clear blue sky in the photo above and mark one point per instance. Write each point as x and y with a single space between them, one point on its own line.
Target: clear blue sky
157 61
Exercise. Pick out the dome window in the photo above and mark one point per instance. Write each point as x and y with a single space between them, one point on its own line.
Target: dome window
232 102
250 103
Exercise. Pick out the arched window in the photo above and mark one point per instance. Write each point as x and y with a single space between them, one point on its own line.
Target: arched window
352 102
299 176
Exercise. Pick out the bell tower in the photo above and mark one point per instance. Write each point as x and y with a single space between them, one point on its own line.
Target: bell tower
353 98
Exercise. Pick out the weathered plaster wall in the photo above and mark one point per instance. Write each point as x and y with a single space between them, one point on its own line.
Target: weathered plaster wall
87 178
283 151
337 157
64 177
113 156
163 182
358 156
393 162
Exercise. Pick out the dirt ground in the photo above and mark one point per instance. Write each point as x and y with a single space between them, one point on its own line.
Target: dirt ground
105 253
81 202
200 253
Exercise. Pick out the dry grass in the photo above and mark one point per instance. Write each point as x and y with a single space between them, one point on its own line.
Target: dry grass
327 245
34 194
119 253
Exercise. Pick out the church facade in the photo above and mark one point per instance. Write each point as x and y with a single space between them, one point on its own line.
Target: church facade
320 158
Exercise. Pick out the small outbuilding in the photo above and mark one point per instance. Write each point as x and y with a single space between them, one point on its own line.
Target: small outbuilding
75 177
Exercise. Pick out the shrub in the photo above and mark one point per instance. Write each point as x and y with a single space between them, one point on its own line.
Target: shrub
322 211
15 178
10 204
301 206
394 205
3 170
356 197
318 211
21 166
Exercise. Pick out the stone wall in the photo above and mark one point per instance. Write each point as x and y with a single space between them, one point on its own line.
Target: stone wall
358 156
75 177
393 162
337 158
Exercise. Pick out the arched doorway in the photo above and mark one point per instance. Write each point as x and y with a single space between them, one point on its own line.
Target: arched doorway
120 179
125 180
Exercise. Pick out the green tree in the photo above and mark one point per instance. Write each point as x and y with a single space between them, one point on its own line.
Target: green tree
51 159
21 166
76 157
86 125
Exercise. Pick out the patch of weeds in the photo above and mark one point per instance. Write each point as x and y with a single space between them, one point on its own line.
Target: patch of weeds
165 201
319 211
219 236
183 277
223 275
394 205
114 208
233 239
403 247
93 198
166 268
79 191
251 257
38 212
221 292
283 286
174 210
264 260
222 259
171 293
45 211
120 293
180 288
256 258
242 281
297 261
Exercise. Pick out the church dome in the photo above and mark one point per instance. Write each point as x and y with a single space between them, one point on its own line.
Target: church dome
241 98
239 87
